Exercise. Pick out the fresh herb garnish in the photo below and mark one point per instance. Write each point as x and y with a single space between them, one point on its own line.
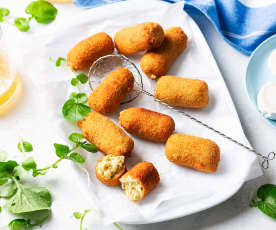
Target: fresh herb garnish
266 200
80 216
42 11
21 199
30 220
75 108
24 146
60 61
20 224
64 152
74 81
22 24
4 12
29 164
80 78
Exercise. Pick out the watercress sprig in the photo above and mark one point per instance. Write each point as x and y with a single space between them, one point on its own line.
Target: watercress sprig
80 216
21 199
80 78
27 222
266 200
60 61
24 146
64 152
42 11
75 108
20 224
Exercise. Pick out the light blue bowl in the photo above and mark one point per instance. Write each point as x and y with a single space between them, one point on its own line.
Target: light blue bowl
258 73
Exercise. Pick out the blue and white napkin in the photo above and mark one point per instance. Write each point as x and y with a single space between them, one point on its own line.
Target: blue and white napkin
242 26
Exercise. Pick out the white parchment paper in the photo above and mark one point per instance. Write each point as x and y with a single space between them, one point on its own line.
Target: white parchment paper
39 118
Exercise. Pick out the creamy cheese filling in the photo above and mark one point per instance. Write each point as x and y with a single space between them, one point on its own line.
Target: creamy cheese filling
111 166
132 187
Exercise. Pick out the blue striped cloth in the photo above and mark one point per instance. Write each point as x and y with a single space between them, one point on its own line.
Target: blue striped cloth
241 26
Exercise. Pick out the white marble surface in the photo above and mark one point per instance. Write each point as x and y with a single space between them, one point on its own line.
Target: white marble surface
234 213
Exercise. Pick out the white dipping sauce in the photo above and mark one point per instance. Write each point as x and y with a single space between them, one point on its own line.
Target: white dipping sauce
272 62
267 100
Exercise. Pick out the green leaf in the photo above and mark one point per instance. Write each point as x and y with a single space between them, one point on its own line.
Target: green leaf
30 199
22 24
82 78
20 224
76 157
74 82
43 12
79 97
8 190
37 217
29 164
73 112
3 181
4 12
77 215
89 147
59 61
61 150
267 209
76 137
266 202
73 95
6 169
27 146
267 192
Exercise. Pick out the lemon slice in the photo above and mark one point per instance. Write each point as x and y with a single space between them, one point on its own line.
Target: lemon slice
10 85
4 67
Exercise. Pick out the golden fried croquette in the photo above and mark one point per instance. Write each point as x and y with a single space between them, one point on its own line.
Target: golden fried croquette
147 124
83 54
141 37
110 168
108 137
157 62
195 152
112 91
182 92
139 181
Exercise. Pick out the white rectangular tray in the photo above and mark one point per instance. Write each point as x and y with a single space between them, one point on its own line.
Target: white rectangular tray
193 191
